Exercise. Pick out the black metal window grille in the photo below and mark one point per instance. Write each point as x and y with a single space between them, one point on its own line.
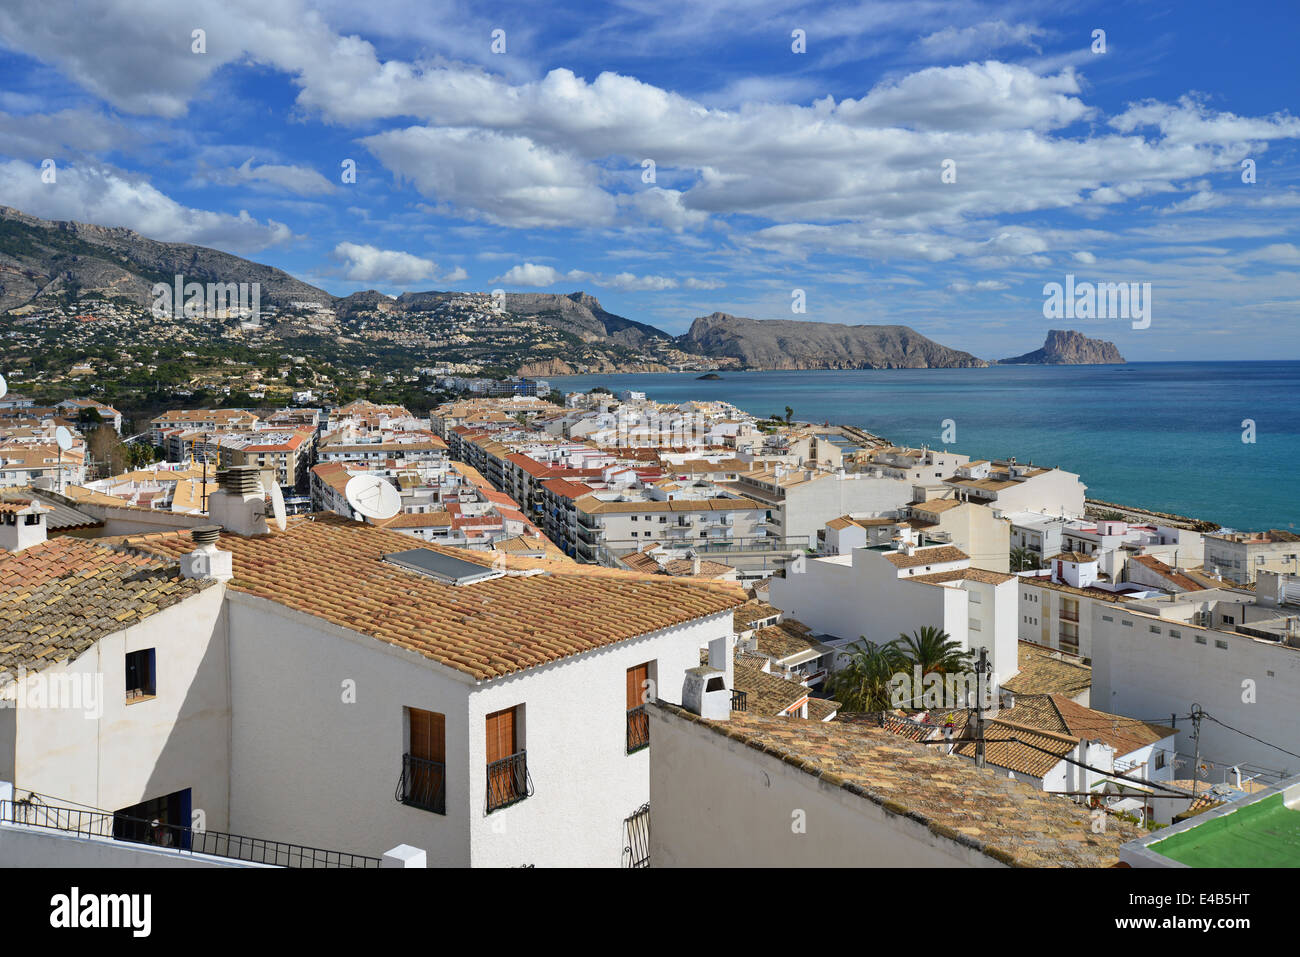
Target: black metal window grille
636 853
638 729
423 784
508 781
739 701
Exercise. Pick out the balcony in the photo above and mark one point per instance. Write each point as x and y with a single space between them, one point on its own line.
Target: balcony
1070 616
508 781
739 701
638 729
423 784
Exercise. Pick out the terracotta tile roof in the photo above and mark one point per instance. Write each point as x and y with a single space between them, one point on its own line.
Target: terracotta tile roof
1033 751
1045 671
1167 572
418 520
752 611
785 639
819 709
1075 557
332 568
965 574
936 506
1015 823
60 597
767 694
931 555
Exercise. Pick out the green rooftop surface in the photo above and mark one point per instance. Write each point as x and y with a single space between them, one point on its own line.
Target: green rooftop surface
1262 834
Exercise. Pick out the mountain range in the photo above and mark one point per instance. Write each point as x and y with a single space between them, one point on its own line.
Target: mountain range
42 258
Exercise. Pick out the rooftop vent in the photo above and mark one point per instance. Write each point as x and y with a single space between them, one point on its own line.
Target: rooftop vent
240 479
443 568
205 534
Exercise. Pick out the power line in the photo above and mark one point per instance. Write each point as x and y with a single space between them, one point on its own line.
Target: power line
1251 736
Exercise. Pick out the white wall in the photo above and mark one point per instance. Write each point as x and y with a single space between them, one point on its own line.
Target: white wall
179 739
309 768
1143 674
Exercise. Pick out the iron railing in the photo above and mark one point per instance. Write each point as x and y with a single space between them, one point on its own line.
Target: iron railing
423 784
89 822
638 729
508 781
739 700
636 853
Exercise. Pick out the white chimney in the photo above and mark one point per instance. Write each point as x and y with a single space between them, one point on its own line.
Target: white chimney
22 524
239 505
207 561
705 692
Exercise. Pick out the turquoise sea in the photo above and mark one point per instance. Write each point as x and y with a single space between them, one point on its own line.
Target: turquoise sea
1163 435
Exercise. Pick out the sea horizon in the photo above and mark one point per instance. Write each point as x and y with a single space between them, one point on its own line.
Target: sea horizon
1204 443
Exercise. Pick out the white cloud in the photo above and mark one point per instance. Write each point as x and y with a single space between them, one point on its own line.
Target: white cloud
296 179
108 197
977 38
1085 257
529 274
361 263
694 283
983 285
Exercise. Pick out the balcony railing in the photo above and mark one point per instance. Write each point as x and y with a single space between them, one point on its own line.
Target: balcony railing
638 729
423 784
1070 616
508 781
739 701
94 823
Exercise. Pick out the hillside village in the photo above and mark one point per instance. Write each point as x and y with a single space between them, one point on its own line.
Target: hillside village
732 594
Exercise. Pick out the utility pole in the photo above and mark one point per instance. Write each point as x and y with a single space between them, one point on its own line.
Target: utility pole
981 669
203 495
1196 736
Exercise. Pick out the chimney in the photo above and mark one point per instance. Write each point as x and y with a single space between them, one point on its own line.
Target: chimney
239 505
22 524
695 564
705 692
207 561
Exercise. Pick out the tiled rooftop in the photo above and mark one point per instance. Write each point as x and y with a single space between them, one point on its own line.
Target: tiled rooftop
1013 822
60 597
486 630
1045 671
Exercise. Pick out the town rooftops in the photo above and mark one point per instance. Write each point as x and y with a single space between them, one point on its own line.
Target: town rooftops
1010 821
1167 572
929 555
62 516
965 574
1075 557
59 597
1044 670
592 505
486 630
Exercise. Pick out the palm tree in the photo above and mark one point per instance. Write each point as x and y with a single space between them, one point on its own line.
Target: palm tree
1023 559
862 684
934 650
789 414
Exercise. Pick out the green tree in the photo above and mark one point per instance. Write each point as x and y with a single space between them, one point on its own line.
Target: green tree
934 650
862 683
1023 560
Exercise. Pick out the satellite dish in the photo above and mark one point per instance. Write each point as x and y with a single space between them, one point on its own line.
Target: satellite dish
63 438
277 499
4 387
372 497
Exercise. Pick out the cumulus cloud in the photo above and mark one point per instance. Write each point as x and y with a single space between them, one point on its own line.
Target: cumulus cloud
509 180
362 263
295 179
983 285
108 197
529 274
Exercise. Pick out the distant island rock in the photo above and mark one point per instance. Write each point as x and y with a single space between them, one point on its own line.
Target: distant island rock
708 377
791 344
1067 347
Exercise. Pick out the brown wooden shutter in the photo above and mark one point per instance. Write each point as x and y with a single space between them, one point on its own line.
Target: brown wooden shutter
637 676
501 735
428 735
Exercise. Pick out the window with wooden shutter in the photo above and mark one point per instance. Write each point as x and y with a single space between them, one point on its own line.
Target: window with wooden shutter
507 769
638 692
424 766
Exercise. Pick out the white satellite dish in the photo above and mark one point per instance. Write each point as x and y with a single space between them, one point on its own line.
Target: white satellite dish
63 438
4 387
277 499
372 497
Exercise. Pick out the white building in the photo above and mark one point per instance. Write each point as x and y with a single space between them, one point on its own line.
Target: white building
881 592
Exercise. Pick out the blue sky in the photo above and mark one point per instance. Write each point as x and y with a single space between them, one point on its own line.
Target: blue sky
774 170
